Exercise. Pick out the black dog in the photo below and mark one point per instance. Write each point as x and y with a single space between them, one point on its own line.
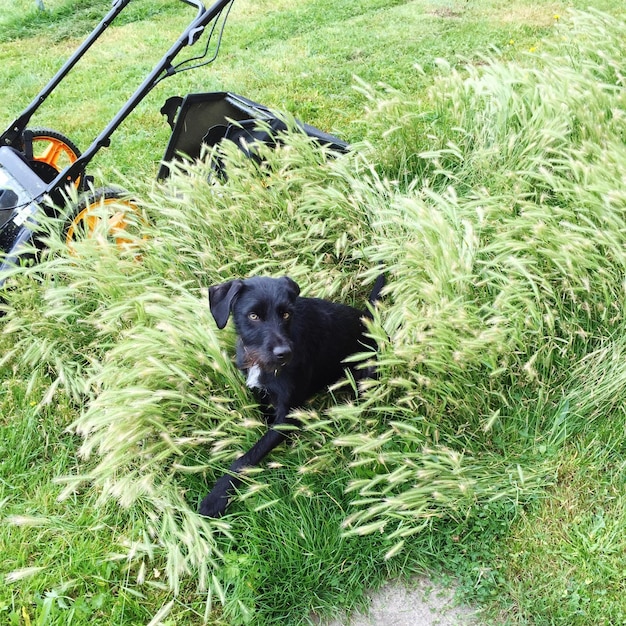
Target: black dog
289 348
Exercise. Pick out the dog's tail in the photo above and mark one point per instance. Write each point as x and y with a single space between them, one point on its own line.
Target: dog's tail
376 289
379 283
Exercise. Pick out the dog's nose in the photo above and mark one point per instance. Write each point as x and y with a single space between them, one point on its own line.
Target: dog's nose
282 353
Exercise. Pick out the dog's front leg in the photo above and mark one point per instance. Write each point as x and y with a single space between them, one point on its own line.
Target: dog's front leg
215 503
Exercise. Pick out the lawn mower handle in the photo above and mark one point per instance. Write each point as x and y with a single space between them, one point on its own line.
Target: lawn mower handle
199 4
13 135
161 70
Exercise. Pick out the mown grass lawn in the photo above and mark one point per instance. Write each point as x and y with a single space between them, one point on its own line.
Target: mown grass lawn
487 178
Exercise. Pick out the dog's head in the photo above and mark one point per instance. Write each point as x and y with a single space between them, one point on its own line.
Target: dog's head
262 309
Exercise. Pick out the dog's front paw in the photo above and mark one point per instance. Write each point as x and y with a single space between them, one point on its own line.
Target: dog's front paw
213 505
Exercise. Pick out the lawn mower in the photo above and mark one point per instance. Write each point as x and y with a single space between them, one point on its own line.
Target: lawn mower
38 165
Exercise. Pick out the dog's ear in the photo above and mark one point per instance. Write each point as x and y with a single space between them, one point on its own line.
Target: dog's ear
221 298
292 286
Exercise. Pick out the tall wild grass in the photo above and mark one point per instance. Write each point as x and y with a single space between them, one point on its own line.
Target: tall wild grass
495 205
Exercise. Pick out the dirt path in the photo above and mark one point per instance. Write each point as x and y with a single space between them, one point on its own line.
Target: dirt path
418 604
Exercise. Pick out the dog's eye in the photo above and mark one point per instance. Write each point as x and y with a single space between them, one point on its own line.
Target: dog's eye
286 315
253 316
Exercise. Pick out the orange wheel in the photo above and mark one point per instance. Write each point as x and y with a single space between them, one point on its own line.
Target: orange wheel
105 212
54 149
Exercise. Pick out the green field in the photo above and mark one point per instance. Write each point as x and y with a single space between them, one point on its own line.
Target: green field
487 177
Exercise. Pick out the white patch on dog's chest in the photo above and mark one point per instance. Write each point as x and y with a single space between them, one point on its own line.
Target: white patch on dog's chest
254 374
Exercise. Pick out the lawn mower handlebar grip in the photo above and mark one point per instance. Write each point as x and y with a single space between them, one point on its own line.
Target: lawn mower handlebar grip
199 4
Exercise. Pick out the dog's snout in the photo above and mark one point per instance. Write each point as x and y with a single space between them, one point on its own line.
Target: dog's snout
282 352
